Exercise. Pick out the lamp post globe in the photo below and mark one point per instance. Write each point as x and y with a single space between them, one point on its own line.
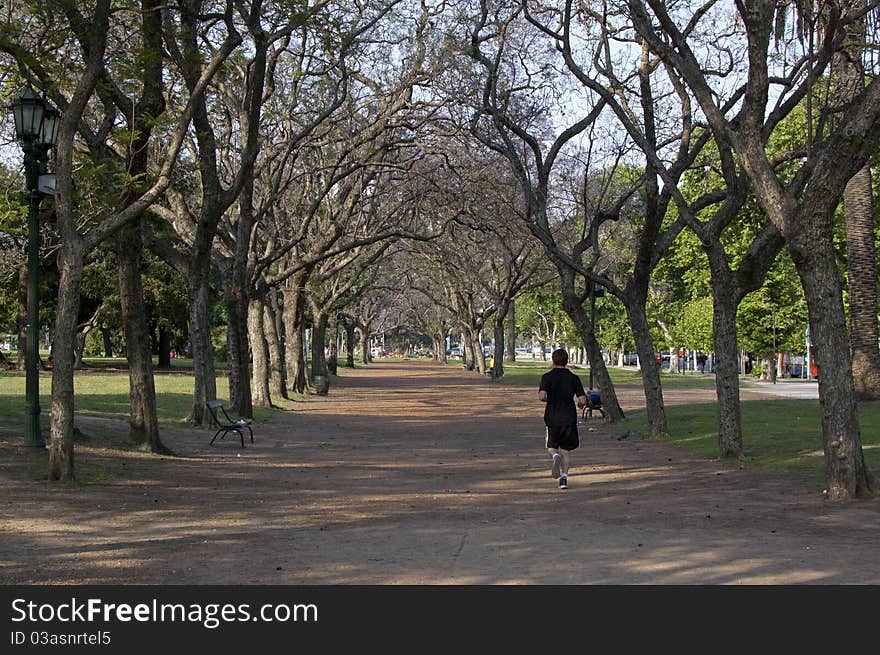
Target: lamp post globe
28 112
36 126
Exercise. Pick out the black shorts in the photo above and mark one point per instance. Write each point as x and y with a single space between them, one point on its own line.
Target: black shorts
563 436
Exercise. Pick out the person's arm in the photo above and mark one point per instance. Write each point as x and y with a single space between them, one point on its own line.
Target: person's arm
580 394
542 396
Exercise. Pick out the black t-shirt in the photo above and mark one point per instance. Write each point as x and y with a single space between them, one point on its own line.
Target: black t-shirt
561 386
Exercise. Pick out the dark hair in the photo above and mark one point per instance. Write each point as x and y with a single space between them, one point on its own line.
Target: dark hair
560 357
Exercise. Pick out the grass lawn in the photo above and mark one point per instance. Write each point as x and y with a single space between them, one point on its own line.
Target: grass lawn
99 391
783 435
106 394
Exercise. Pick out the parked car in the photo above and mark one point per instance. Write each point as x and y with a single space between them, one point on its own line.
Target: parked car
631 359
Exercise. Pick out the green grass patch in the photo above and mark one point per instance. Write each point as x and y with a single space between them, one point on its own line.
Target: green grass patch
121 363
106 394
780 435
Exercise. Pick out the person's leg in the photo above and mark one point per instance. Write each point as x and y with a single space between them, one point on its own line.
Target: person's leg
567 443
557 461
566 461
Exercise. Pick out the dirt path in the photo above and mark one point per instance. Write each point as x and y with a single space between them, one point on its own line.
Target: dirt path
415 474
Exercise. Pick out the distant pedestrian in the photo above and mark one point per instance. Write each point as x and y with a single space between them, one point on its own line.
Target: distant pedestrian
561 390
701 362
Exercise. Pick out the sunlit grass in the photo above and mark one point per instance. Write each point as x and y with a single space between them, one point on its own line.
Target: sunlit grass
106 394
782 435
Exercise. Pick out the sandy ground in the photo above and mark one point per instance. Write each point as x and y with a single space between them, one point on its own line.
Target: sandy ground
410 473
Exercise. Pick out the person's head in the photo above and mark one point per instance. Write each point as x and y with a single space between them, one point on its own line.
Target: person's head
560 357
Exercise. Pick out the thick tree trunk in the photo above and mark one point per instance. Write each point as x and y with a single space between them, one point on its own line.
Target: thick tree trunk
238 358
333 339
511 334
205 385
730 440
164 348
862 283
319 344
260 351
70 266
859 211
439 338
143 421
349 344
845 472
498 329
272 330
653 388
477 347
297 353
294 318
79 347
467 346
108 344
365 345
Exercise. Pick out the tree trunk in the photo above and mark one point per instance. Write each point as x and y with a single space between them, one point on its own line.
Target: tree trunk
143 421
294 318
70 266
238 351
108 344
205 385
845 472
511 334
498 329
349 344
333 339
653 388
80 346
724 307
440 346
479 357
467 348
319 344
859 211
862 283
365 345
260 352
272 330
164 348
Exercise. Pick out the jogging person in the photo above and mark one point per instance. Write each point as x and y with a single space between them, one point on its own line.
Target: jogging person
559 388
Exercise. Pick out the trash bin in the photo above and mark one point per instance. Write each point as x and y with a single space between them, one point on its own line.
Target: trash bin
322 385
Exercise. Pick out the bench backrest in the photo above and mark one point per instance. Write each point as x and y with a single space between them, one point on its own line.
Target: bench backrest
214 404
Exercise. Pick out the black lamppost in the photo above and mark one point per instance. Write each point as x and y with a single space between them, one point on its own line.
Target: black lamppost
36 126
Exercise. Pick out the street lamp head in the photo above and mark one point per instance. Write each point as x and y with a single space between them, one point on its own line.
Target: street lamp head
49 132
28 112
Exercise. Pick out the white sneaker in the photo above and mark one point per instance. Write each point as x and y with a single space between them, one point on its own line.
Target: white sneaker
557 465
